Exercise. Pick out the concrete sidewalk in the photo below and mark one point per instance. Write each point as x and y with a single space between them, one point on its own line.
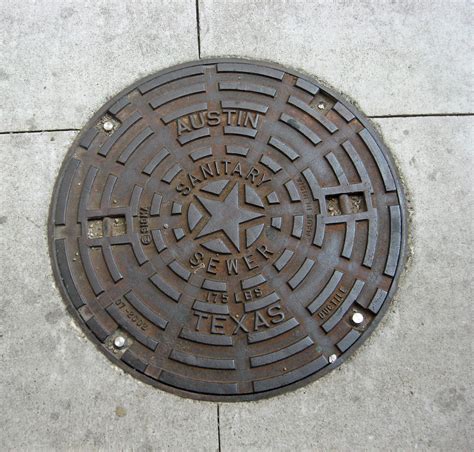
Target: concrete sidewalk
408 65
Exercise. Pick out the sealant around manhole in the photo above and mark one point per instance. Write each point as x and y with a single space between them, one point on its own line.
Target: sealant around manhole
227 230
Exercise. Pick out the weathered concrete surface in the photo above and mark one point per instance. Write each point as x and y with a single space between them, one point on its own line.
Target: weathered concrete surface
402 57
410 386
61 60
56 390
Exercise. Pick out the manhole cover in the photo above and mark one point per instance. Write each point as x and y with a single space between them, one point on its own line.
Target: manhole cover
227 230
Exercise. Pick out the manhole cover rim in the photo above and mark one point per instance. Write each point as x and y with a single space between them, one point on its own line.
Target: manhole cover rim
255 396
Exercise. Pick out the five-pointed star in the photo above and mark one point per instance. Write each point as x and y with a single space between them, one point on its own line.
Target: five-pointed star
226 215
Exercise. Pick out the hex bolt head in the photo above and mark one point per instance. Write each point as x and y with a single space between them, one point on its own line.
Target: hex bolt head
321 105
119 341
357 318
332 358
108 126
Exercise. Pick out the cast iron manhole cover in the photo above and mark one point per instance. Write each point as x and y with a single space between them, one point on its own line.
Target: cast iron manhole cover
227 229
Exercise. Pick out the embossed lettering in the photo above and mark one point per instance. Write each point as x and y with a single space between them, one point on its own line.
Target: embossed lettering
196 259
182 127
216 327
216 168
213 118
251 118
200 316
264 251
239 324
194 180
212 265
333 303
237 170
183 189
229 115
252 174
249 261
195 124
260 321
206 170
232 266
144 230
276 314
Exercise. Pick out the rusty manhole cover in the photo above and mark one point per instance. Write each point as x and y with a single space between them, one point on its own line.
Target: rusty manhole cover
227 230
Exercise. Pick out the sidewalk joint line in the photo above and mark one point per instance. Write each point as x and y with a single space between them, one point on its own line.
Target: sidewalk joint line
415 115
218 428
17 132
419 115
198 26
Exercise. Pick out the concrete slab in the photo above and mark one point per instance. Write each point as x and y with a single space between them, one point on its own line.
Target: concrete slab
410 386
61 60
391 57
57 392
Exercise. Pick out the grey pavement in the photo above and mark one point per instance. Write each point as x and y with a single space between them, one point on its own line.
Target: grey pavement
57 391
392 58
62 59
408 387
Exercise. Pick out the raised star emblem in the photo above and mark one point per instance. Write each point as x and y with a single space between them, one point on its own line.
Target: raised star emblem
226 215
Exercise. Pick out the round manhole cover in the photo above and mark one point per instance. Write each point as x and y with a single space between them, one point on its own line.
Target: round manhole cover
227 230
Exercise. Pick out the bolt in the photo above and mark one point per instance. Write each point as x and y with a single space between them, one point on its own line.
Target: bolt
321 105
114 201
119 341
108 126
116 221
332 358
166 226
357 318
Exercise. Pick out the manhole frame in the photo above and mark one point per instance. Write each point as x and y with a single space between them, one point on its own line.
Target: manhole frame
345 356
